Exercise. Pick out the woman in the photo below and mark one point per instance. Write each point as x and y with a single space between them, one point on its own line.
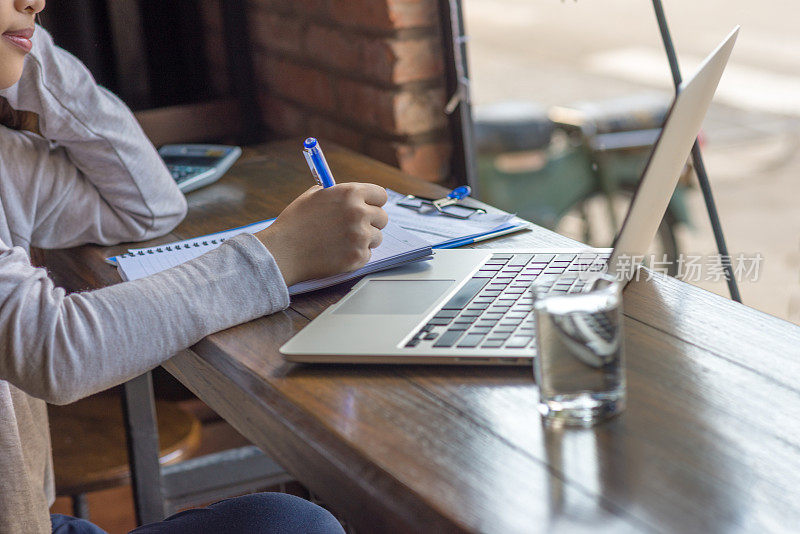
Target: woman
76 168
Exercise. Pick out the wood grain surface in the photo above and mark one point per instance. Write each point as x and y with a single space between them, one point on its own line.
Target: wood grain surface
710 441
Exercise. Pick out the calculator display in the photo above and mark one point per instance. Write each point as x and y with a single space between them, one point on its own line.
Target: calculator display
194 165
190 161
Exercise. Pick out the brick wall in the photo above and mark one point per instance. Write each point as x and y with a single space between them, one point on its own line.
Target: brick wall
368 74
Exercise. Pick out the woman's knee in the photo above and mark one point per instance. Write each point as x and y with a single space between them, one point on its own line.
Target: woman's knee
281 512
275 513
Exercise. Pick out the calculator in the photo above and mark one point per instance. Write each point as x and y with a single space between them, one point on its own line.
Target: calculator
195 166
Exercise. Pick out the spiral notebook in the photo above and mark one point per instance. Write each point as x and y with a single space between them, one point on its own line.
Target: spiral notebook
397 248
410 236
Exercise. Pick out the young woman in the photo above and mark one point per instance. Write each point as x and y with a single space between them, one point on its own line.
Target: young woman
76 168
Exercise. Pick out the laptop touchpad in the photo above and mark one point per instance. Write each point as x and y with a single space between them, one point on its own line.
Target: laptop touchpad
394 297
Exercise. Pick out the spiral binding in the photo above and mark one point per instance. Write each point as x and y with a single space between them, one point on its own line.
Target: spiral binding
173 248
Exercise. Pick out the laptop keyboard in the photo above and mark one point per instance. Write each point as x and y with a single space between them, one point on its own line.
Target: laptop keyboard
493 310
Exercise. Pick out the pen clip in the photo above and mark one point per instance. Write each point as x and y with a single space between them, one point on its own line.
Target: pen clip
452 197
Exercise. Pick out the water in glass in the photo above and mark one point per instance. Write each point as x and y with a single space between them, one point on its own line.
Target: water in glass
579 368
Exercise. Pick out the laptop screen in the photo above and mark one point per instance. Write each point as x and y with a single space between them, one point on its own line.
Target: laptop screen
666 162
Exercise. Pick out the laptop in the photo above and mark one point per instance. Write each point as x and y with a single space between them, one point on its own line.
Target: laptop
473 306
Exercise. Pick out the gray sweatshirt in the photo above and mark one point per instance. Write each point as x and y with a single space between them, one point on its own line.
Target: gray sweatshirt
93 178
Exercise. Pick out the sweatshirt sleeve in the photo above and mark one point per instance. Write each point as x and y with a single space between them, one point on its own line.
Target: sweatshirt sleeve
61 347
97 178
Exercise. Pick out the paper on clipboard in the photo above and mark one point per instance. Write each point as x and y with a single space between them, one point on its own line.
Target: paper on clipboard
439 230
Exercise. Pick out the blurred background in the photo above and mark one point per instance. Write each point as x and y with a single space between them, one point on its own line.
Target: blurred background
559 53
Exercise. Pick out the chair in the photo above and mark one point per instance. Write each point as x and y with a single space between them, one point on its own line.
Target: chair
160 490
89 448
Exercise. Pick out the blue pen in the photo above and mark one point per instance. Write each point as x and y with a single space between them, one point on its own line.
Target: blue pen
317 164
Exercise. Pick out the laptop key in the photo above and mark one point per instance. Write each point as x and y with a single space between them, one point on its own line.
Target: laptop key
470 340
534 268
501 336
465 294
446 314
520 259
492 343
518 342
448 339
516 290
442 321
545 278
480 329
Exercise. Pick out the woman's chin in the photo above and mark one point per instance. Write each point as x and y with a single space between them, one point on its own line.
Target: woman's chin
9 75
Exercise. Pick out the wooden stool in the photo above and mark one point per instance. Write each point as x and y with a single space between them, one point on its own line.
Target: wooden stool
89 448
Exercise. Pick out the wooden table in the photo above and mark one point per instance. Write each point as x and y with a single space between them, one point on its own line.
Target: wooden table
710 441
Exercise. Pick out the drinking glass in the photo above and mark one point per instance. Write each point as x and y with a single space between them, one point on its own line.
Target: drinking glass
580 363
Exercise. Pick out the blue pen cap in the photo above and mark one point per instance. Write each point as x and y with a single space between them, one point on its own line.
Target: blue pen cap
460 192
311 142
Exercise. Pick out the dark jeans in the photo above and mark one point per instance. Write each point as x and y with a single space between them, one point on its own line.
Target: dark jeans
274 513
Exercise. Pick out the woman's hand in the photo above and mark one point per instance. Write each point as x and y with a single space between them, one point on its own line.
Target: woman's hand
327 231
18 120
